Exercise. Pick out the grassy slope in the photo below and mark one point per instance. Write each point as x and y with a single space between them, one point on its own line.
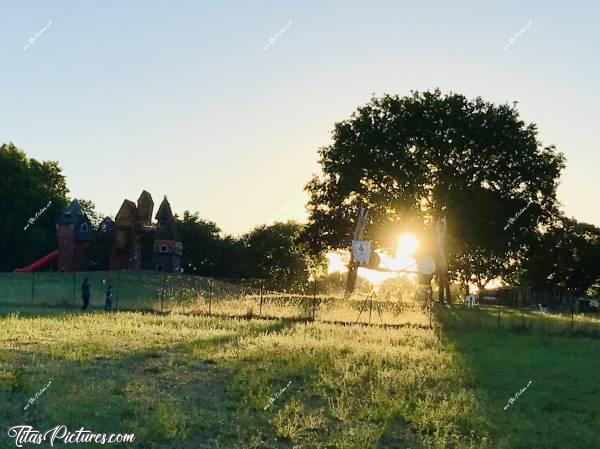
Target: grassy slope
193 382
561 407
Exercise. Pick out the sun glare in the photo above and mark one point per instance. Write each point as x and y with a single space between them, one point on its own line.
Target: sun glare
402 260
335 263
408 244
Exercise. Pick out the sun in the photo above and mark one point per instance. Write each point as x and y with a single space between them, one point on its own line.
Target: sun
407 245
401 260
336 262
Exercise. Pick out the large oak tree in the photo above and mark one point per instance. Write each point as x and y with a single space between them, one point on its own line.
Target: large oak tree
411 160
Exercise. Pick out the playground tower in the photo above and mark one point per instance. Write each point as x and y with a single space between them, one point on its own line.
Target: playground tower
135 237
167 243
73 231
131 242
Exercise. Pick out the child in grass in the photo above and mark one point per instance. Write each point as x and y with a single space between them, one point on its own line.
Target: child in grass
470 300
109 297
85 294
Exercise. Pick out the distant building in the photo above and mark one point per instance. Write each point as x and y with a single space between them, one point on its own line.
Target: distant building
106 226
73 231
131 242
167 243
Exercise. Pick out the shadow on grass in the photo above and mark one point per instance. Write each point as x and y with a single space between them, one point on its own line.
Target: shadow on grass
398 434
518 321
221 391
560 407
166 396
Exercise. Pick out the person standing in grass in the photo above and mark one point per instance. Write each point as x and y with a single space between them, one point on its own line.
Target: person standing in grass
85 294
109 297
470 300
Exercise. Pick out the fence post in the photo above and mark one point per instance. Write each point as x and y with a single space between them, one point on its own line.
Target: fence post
314 304
430 306
118 283
498 325
210 293
32 285
162 295
572 309
74 287
262 287
499 305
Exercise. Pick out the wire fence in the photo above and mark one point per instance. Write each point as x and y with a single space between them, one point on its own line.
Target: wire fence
245 298
518 320
248 298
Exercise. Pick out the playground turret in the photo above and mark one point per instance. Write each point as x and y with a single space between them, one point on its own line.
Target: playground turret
73 230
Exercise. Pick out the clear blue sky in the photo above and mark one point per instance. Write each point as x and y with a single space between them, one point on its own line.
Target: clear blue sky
181 98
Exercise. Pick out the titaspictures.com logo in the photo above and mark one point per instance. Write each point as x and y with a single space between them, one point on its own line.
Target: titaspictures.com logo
29 435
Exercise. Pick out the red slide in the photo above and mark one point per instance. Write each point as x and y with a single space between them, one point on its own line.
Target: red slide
39 263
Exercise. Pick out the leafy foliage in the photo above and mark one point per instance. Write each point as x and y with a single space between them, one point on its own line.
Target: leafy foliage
567 254
273 252
410 160
89 208
26 187
206 252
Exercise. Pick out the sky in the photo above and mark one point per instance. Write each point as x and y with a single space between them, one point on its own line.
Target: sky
222 106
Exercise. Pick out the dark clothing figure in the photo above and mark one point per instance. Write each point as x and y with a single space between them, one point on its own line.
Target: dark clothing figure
109 297
85 294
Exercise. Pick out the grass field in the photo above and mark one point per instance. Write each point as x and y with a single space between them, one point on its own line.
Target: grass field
179 381
134 291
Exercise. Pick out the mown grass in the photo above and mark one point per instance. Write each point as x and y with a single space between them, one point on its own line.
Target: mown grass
561 358
520 321
133 291
200 382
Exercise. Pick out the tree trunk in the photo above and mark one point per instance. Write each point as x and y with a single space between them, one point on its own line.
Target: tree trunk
351 281
448 294
441 288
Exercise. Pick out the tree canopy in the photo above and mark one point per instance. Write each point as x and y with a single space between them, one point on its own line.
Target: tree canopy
413 159
271 252
89 208
567 254
28 188
206 251
276 253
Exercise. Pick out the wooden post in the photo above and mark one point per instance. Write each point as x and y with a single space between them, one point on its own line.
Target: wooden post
440 227
314 299
210 292
162 295
118 283
262 287
359 234
74 287
498 312
32 285
572 309
429 306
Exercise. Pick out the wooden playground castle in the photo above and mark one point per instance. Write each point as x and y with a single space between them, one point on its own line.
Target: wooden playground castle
130 242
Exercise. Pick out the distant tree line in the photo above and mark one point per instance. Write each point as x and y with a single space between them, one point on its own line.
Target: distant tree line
274 252
410 161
